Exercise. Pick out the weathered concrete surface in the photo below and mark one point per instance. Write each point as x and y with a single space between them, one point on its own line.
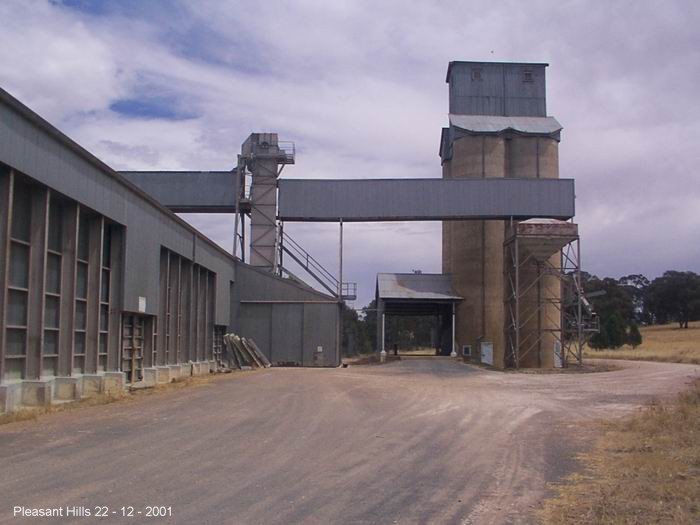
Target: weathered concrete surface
416 441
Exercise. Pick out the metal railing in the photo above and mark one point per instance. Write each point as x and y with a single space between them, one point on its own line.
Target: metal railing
288 150
348 290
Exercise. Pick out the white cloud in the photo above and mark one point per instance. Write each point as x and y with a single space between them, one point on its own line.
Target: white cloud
360 87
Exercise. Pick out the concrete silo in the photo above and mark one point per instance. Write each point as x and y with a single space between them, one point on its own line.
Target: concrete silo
498 128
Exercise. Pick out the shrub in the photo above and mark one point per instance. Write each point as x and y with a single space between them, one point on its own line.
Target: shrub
634 337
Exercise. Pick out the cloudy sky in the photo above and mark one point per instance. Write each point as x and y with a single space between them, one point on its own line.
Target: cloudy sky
360 87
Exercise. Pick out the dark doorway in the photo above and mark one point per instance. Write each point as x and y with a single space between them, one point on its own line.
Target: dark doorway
415 313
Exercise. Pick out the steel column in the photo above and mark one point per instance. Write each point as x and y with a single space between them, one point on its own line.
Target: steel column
116 300
241 176
66 337
453 353
37 277
382 354
92 336
6 183
579 306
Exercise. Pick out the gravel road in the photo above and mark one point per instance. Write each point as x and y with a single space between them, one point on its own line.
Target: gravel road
423 440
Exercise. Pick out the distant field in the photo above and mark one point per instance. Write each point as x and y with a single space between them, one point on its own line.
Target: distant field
659 343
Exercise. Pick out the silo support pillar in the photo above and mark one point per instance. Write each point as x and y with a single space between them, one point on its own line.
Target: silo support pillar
382 354
453 353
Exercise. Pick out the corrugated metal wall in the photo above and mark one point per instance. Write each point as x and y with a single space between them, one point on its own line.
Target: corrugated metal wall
424 199
478 88
31 146
189 191
289 322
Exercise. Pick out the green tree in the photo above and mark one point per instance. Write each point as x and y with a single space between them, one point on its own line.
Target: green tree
637 286
600 340
675 296
615 328
616 298
615 308
356 337
634 337
369 326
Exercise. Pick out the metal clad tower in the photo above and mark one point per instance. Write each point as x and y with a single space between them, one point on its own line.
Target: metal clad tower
498 128
262 153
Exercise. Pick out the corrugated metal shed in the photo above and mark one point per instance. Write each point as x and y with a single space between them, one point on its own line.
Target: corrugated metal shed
499 124
424 199
289 322
416 286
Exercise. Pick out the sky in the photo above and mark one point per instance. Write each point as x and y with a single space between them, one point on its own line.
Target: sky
359 86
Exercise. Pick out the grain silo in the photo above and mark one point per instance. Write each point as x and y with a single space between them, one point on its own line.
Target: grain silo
498 128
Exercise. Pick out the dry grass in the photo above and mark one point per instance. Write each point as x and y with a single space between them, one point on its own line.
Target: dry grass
659 343
587 368
645 468
28 414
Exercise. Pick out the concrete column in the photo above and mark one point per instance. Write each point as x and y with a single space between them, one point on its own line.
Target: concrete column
37 275
476 250
493 236
6 180
66 335
523 158
446 230
548 154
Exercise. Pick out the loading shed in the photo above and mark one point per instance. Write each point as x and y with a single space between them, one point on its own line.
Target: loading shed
418 294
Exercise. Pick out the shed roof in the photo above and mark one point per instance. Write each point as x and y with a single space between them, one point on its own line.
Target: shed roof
497 124
416 286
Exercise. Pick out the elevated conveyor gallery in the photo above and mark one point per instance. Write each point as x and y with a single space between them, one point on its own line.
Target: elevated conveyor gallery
365 200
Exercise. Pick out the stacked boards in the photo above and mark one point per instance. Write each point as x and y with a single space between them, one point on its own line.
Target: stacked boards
242 353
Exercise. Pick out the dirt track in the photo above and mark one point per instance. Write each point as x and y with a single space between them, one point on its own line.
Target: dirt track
417 441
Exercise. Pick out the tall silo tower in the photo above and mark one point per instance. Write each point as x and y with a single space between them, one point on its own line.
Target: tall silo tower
498 127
